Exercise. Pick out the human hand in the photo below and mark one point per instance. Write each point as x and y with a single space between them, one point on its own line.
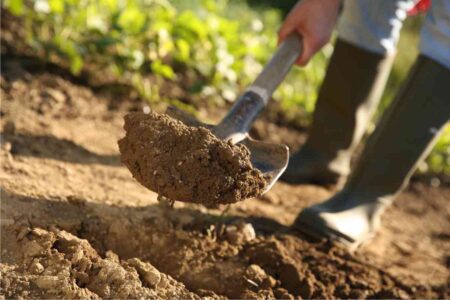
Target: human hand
313 20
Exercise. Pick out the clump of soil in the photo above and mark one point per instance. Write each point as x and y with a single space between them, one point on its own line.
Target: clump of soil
187 163
57 264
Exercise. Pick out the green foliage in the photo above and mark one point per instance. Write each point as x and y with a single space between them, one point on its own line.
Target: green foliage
219 46
211 48
439 159
16 7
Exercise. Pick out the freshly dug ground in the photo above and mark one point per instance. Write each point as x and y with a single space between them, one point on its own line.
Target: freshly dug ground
74 222
187 163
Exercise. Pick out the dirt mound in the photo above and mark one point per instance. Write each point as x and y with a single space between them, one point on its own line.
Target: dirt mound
187 163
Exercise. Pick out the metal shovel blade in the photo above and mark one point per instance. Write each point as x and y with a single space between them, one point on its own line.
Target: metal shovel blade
269 158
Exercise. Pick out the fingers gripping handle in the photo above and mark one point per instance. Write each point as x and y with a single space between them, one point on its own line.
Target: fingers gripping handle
239 119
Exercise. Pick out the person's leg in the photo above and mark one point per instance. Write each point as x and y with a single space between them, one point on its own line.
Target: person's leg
403 138
405 135
356 77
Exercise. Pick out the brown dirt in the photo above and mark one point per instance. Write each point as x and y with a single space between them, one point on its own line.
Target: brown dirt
76 224
187 163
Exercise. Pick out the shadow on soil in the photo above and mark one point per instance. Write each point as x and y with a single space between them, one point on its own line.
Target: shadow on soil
76 215
48 146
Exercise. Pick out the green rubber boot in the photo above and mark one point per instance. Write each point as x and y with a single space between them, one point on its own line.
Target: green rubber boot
403 138
347 99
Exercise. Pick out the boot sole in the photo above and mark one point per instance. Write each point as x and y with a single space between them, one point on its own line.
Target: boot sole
310 229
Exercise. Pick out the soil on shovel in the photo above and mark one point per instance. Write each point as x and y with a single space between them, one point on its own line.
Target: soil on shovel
187 163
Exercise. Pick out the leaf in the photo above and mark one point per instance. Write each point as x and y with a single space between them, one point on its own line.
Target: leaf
112 5
70 51
190 26
105 41
76 64
15 7
183 50
131 19
56 6
161 69
210 5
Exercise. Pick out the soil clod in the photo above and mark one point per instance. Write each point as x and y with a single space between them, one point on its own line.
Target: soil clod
187 163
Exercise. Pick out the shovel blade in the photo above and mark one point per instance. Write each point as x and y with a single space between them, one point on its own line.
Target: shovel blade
270 159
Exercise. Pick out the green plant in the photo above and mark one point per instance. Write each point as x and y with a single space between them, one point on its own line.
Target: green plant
439 159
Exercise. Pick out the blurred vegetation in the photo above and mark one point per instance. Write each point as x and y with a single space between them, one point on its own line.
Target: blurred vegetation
211 48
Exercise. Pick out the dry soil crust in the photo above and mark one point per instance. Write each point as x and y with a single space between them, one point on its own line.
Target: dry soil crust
76 224
187 163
